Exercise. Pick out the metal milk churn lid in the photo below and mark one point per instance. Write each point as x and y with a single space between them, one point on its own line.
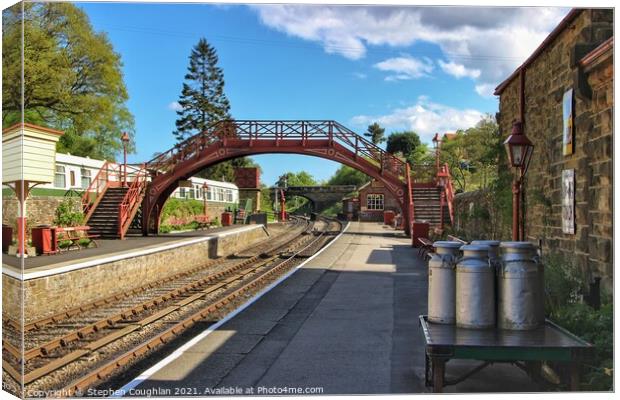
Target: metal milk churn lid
441 282
521 300
475 288
493 249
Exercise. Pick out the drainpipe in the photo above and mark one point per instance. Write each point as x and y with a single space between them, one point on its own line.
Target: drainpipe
522 118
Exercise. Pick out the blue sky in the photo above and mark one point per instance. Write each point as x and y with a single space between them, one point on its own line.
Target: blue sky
425 69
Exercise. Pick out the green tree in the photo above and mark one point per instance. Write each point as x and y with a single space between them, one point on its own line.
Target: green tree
454 153
346 175
484 148
301 178
203 102
407 144
72 78
375 133
473 155
202 99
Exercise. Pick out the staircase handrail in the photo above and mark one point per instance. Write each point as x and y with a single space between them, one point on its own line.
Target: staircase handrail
98 186
444 176
132 200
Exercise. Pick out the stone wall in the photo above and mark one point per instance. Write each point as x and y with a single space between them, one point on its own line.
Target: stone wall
476 217
553 72
52 294
39 209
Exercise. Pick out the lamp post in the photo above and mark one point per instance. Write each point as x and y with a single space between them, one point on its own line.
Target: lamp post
436 146
125 140
205 187
283 181
519 149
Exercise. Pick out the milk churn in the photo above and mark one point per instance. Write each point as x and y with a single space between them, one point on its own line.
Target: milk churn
475 288
521 303
441 282
493 250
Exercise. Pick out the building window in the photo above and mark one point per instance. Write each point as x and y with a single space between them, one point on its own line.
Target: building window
229 195
374 202
191 193
220 194
60 177
72 178
182 192
86 179
209 193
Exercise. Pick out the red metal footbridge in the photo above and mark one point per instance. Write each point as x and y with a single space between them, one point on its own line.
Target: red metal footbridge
149 187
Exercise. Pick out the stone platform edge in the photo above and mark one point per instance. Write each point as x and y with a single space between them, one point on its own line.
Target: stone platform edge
68 266
51 291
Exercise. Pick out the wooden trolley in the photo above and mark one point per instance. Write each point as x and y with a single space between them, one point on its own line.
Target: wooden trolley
547 343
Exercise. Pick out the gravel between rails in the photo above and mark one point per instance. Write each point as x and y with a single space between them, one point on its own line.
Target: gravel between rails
61 377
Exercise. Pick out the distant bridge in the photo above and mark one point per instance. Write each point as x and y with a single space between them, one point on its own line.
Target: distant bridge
321 197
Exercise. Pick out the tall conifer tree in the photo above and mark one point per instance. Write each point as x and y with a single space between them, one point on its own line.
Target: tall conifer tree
202 99
203 102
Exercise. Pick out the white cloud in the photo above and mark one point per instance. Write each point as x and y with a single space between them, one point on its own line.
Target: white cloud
493 41
175 106
458 70
406 67
360 75
485 89
424 117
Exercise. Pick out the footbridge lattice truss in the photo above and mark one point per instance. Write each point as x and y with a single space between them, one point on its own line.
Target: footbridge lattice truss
230 139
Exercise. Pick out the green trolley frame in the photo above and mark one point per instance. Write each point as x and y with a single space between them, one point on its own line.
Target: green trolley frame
547 343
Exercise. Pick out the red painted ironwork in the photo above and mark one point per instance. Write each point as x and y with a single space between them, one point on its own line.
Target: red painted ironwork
109 175
230 139
282 206
411 218
444 178
132 199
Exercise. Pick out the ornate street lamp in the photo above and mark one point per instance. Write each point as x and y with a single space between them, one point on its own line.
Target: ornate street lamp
125 140
436 146
519 149
204 196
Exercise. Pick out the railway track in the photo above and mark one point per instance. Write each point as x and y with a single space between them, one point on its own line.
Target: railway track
72 351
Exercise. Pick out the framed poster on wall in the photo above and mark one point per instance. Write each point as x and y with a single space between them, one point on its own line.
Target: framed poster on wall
568 201
568 132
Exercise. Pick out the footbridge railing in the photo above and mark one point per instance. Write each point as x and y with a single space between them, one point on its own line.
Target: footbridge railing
280 131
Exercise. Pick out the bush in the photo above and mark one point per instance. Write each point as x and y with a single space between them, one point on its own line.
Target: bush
563 295
180 208
596 327
66 214
562 283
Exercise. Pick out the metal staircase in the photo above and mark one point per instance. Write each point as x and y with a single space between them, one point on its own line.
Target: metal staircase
104 219
427 206
113 199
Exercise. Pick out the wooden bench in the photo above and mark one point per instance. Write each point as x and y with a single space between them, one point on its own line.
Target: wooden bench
203 221
456 239
426 247
74 234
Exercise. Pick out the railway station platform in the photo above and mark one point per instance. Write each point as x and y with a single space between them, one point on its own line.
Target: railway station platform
346 322
51 284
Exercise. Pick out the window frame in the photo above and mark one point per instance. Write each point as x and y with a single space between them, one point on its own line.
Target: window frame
58 174
375 201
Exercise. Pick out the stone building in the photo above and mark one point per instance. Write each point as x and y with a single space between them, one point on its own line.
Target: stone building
374 199
577 55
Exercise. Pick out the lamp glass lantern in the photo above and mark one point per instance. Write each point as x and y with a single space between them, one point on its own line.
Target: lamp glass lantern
519 148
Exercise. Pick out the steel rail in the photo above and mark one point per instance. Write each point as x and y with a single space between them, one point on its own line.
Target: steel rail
128 314
132 326
55 318
80 385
